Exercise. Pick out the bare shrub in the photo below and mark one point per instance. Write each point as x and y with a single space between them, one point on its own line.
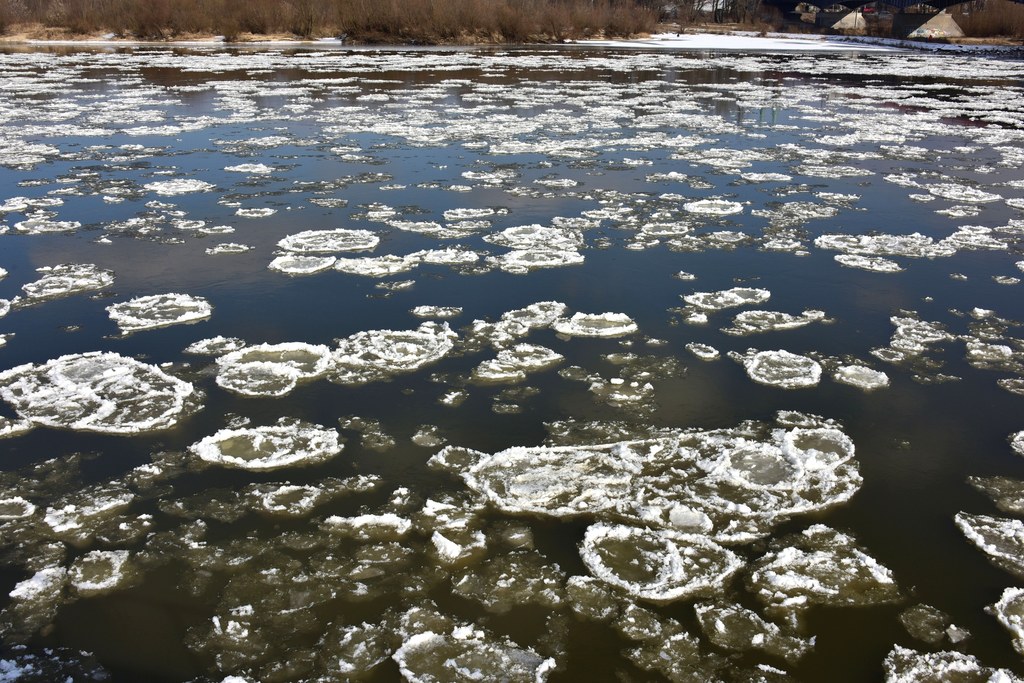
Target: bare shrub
991 18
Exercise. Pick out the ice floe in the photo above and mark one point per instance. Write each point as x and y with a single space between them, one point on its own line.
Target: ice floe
168 188
596 325
779 368
378 354
658 565
272 369
158 310
100 392
1000 538
329 241
731 484
287 444
67 279
903 665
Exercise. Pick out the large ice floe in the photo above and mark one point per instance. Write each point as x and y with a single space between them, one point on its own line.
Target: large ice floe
99 392
732 486
1001 538
286 444
329 241
158 310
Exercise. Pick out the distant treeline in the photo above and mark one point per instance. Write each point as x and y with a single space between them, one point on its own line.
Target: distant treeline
366 21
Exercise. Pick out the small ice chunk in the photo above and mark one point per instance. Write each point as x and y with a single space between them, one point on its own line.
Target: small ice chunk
269 448
705 352
215 346
861 376
370 527
15 507
159 310
732 627
657 565
379 266
755 322
99 571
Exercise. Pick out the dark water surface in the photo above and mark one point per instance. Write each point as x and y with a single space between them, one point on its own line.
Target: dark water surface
639 167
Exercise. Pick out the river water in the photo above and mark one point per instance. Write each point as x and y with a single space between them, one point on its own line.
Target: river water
536 364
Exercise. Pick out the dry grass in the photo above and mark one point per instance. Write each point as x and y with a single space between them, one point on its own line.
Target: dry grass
391 21
991 18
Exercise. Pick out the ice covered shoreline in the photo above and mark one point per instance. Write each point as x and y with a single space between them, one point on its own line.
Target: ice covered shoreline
736 41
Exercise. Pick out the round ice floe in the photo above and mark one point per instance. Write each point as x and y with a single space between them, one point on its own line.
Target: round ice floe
1017 442
15 507
913 245
596 325
377 354
329 241
272 369
99 392
1010 613
703 351
269 448
754 322
536 237
39 225
713 207
98 572
782 369
657 565
861 376
255 169
159 310
67 279
181 186
468 654
298 264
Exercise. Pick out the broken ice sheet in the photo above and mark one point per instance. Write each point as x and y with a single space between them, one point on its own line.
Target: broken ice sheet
1006 493
1001 538
861 376
507 581
903 665
468 653
100 392
733 485
733 627
286 444
657 565
820 566
158 310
